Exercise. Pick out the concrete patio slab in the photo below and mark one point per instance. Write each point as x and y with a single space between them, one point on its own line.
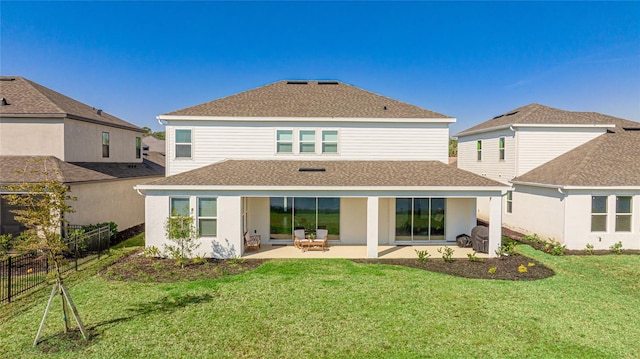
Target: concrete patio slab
354 252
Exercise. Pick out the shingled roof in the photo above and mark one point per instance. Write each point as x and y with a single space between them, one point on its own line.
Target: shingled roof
27 99
18 169
346 174
611 159
308 99
544 115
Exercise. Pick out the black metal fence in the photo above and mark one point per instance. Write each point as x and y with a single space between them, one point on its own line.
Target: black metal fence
21 273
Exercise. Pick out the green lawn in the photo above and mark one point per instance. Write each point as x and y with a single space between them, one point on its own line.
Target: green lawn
339 309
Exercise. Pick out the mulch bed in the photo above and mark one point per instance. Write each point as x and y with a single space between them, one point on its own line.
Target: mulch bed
138 268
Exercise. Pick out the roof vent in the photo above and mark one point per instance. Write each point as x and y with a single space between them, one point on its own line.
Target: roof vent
297 82
511 113
310 169
99 112
7 79
384 108
631 128
327 82
3 102
497 117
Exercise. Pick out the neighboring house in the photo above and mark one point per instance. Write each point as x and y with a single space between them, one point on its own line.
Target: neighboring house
99 156
315 154
575 176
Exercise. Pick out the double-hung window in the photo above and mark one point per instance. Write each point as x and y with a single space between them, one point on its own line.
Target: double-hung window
105 144
179 206
623 213
501 148
509 201
207 217
598 213
138 147
183 143
307 141
284 141
479 149
329 141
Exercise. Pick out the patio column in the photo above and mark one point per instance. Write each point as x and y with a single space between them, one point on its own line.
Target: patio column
373 206
495 224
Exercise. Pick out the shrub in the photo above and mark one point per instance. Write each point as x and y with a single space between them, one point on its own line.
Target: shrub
589 249
532 238
181 230
199 259
473 258
616 248
235 261
113 228
492 270
531 264
5 245
447 254
151 251
423 256
522 269
554 247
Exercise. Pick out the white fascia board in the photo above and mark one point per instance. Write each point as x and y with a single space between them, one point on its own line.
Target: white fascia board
463 133
563 187
533 125
146 187
303 119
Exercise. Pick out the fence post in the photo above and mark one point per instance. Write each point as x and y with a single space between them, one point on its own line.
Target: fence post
75 249
9 280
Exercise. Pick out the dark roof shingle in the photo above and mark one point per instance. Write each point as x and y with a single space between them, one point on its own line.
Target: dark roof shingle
611 159
346 174
308 99
27 99
539 114
18 169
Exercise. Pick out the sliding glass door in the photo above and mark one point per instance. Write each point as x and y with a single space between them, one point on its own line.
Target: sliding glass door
308 213
420 219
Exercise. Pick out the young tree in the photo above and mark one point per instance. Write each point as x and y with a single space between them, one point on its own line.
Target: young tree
41 207
181 229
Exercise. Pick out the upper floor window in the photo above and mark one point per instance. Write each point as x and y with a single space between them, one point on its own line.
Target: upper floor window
509 201
623 213
479 149
599 214
329 141
501 148
284 141
138 147
105 144
307 141
183 143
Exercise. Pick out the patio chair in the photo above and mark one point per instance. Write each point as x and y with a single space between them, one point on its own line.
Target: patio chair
252 241
322 238
298 235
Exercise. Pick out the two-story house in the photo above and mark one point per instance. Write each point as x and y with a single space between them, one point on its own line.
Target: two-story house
575 176
315 154
97 155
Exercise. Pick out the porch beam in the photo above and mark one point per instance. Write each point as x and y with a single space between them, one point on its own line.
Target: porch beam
495 224
373 209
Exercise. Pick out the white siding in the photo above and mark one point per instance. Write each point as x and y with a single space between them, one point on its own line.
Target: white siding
578 226
490 166
537 210
215 141
32 137
537 146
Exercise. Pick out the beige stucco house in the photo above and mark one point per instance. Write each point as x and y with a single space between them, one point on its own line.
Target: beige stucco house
98 155
574 176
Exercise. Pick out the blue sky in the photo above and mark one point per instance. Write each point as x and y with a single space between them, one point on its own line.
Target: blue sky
469 60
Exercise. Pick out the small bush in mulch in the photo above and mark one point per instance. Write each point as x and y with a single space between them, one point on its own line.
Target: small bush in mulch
506 268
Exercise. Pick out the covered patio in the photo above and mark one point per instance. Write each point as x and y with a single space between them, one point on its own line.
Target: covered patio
269 251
